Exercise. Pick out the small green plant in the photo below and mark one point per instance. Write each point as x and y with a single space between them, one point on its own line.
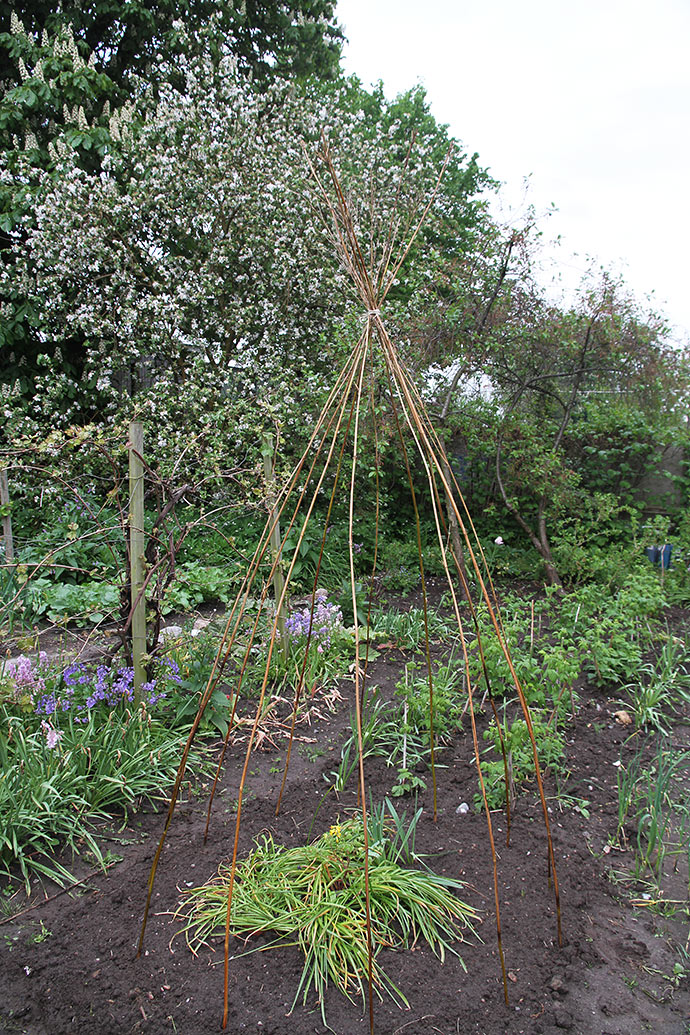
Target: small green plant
449 699
194 657
380 737
519 755
610 629
407 629
661 687
41 935
314 895
407 782
652 815
546 667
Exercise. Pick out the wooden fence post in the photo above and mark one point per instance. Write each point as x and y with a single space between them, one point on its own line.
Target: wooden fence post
136 553
6 517
278 580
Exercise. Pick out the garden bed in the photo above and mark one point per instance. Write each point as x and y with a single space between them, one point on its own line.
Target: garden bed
69 961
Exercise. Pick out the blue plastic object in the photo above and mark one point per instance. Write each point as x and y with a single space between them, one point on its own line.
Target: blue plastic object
660 555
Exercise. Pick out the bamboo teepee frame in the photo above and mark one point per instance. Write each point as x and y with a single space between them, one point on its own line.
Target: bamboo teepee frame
338 426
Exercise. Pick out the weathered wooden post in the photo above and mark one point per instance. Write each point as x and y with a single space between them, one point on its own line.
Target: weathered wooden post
6 517
278 580
136 553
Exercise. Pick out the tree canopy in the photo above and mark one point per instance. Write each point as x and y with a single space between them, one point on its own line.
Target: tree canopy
164 247
139 37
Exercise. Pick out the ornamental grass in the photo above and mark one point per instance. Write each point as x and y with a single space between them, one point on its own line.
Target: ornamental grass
313 897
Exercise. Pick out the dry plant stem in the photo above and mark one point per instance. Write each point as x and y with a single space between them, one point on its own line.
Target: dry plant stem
358 699
495 621
342 221
450 480
337 416
300 683
248 650
460 569
418 227
462 575
475 740
358 367
427 652
228 637
377 513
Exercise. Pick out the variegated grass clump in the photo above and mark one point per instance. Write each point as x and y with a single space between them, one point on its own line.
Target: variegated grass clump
313 896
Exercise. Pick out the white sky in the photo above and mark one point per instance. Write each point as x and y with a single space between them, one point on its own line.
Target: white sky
589 98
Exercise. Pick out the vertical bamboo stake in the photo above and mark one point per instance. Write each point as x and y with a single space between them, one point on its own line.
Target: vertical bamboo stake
136 553
278 580
6 517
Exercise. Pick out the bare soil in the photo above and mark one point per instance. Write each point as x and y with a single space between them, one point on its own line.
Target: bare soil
69 963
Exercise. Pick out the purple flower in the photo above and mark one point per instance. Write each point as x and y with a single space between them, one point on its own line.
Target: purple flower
52 735
71 674
26 676
321 621
47 705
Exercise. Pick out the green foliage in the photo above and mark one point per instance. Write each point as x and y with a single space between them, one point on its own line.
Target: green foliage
449 700
195 657
143 40
400 731
78 541
314 894
546 666
653 811
520 756
380 737
196 583
303 546
399 561
610 629
661 688
407 629
86 603
52 796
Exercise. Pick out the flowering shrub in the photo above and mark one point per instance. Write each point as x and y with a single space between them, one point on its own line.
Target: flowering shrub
317 649
21 679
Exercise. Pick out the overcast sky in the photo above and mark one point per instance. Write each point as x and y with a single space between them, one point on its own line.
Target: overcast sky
590 99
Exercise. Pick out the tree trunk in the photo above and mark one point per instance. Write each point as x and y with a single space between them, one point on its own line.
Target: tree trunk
552 576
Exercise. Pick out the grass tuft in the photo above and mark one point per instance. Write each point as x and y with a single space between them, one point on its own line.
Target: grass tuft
313 897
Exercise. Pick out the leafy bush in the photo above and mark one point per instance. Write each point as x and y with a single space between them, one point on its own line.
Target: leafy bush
546 665
610 629
62 602
519 755
196 583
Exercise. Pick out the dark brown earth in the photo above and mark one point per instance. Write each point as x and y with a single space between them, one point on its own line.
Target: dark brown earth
68 962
